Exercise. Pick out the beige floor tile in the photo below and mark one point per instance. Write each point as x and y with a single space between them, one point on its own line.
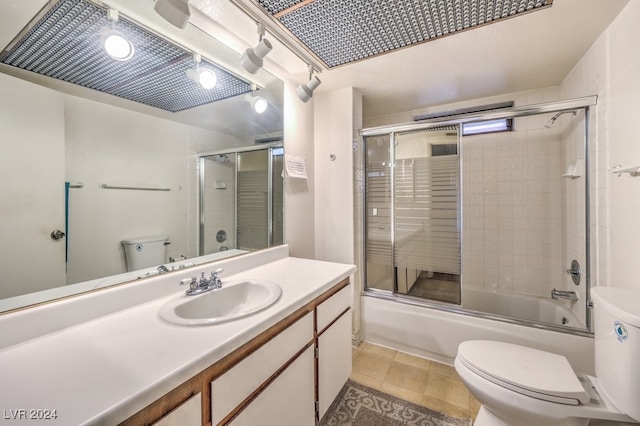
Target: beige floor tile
408 377
355 352
402 393
428 383
444 407
445 389
372 365
443 369
369 381
380 351
412 360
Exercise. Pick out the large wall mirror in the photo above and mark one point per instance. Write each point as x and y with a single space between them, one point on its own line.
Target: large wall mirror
99 151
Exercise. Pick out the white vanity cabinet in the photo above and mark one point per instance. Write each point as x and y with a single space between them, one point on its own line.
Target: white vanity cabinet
286 401
287 375
334 346
266 377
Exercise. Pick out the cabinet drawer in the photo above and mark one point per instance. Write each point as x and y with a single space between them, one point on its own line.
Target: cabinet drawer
329 310
229 390
287 401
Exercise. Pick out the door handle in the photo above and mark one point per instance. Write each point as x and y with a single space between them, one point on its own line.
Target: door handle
57 235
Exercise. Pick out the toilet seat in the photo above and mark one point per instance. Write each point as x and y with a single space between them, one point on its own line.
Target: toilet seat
534 373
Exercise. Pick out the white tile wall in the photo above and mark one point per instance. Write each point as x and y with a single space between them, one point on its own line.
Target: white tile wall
511 207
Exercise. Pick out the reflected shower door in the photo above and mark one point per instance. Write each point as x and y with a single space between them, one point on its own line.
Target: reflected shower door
217 203
241 200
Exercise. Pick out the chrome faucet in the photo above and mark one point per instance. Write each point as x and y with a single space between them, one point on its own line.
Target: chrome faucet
162 269
204 284
566 295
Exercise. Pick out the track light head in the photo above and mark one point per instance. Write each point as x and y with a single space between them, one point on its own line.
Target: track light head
176 12
205 77
115 43
305 91
251 59
258 103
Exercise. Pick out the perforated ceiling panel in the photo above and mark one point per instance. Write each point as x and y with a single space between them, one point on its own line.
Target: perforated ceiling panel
343 31
66 44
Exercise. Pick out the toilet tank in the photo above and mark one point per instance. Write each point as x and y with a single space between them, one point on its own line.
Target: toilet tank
145 252
617 346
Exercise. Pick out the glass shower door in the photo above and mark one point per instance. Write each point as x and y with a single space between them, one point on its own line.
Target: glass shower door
412 208
426 214
378 206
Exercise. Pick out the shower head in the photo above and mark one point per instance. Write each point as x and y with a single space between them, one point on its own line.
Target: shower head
221 158
553 119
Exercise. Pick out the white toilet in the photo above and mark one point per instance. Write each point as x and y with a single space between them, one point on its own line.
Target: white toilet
145 252
521 386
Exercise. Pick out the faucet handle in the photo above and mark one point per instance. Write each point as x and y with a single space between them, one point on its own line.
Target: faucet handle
193 283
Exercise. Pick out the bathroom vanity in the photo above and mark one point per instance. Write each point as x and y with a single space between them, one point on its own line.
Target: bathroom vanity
108 358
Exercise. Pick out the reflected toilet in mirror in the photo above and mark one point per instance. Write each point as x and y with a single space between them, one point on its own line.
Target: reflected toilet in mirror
103 166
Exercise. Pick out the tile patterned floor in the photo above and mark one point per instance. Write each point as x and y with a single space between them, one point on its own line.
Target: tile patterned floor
427 383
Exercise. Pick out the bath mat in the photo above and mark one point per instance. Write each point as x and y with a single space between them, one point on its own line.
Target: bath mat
359 405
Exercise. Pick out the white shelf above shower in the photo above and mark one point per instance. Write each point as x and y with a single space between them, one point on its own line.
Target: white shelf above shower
632 170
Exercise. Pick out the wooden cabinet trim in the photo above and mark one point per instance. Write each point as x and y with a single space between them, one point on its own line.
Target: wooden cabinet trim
166 404
236 411
347 309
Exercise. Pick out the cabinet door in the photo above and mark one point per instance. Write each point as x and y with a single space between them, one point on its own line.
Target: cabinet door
233 387
187 414
334 360
288 400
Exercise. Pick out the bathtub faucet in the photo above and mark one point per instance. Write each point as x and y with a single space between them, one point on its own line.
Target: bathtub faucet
566 295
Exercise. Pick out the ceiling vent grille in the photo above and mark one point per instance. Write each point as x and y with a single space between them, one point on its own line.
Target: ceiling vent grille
66 44
343 31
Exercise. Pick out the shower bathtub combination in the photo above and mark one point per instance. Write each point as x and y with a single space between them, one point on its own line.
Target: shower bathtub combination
476 224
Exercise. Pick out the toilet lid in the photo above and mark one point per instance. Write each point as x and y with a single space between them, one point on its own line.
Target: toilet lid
528 371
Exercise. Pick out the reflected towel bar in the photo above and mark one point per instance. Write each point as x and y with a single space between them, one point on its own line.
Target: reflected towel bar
140 188
76 185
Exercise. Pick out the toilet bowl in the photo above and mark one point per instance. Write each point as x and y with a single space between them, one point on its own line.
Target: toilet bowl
522 386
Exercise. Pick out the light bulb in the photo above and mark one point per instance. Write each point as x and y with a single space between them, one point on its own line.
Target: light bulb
259 104
207 78
203 76
117 45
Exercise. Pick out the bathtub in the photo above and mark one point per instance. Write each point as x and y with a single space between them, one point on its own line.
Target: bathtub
517 305
435 334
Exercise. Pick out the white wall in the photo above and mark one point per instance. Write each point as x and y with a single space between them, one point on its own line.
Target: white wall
610 69
299 214
32 174
334 134
623 142
106 144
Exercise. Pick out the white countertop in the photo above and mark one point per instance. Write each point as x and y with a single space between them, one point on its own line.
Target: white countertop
104 370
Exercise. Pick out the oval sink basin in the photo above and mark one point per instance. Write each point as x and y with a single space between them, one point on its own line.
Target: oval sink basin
236 299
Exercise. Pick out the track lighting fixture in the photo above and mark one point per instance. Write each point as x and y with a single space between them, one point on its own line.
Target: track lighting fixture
115 43
305 91
176 12
258 103
251 59
205 77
